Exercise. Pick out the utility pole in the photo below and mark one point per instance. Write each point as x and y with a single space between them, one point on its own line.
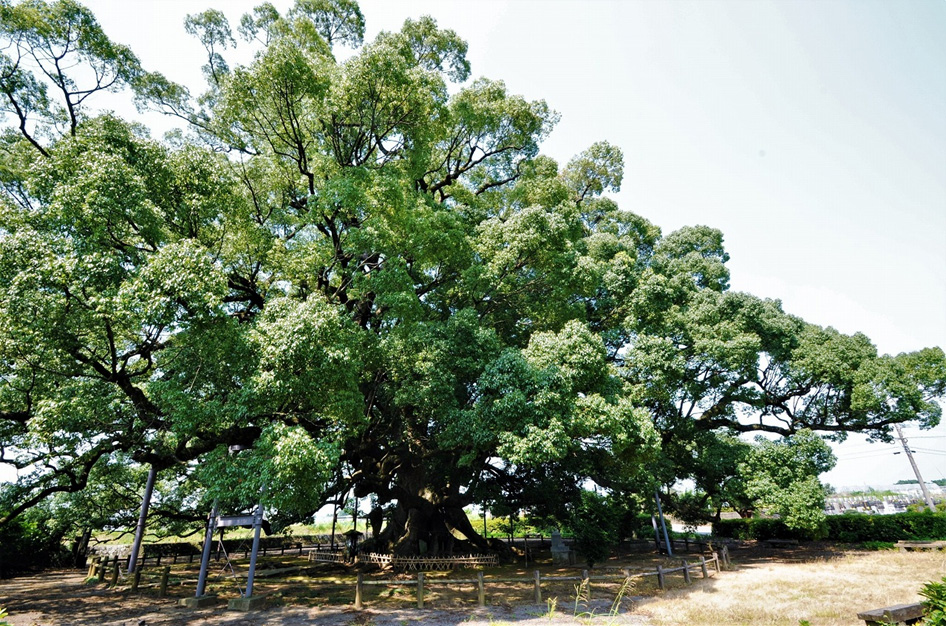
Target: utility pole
916 470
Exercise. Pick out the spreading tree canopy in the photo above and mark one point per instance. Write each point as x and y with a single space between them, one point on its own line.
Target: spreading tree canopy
365 269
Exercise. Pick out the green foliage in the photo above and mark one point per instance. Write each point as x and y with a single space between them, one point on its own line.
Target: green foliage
901 526
52 39
782 477
593 523
759 528
844 528
31 543
935 603
690 508
634 525
374 283
918 507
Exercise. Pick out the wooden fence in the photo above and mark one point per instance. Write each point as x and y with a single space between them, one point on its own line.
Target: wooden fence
217 554
429 563
107 570
327 556
687 544
717 561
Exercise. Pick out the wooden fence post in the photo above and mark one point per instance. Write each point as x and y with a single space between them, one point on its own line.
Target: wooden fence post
163 591
420 590
480 589
538 588
358 585
114 582
686 572
660 577
703 567
103 566
716 561
136 580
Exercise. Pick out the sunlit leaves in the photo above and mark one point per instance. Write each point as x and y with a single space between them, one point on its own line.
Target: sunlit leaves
213 30
599 168
287 468
51 39
782 476
309 362
376 281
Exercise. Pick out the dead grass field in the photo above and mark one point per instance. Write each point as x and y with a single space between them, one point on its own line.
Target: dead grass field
826 590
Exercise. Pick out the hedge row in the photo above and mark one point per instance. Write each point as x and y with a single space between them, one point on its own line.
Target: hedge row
845 528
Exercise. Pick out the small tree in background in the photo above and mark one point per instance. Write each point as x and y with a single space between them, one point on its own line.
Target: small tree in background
782 477
594 522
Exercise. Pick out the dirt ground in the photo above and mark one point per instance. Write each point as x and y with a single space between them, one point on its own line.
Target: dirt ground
63 598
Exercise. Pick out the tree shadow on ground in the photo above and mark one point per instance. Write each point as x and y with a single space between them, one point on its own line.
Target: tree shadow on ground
64 599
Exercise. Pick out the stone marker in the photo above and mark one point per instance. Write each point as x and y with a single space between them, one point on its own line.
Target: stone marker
561 554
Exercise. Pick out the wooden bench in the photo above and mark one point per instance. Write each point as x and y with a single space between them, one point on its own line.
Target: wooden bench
896 614
921 545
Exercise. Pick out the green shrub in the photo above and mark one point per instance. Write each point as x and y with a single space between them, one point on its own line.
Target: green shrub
902 526
26 545
594 526
935 603
632 524
843 528
760 528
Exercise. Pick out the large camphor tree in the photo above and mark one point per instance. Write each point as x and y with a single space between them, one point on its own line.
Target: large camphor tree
365 270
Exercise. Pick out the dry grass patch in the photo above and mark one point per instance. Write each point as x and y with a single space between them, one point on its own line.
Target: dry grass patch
823 592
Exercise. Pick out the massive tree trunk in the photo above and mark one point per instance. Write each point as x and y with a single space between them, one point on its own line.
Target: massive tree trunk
429 530
427 518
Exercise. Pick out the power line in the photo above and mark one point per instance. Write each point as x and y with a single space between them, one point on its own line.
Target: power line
929 451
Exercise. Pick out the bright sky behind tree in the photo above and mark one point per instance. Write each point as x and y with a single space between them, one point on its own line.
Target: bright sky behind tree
813 134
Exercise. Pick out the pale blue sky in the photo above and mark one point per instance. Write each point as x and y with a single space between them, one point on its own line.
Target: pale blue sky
812 133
